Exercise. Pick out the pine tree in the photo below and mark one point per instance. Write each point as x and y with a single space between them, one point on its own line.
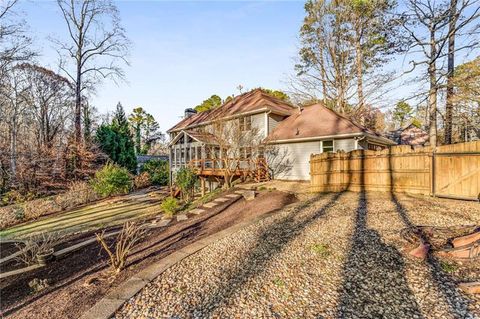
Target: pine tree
116 141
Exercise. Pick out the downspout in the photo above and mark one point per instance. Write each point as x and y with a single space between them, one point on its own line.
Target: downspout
359 139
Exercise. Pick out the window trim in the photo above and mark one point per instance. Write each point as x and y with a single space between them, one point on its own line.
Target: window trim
333 145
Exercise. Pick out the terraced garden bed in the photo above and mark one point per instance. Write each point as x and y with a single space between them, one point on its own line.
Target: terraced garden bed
79 279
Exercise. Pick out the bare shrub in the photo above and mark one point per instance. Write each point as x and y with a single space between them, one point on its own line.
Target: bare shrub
39 207
36 245
142 181
83 191
128 237
79 193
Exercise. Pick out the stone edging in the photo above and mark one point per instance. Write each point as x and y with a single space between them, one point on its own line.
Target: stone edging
106 307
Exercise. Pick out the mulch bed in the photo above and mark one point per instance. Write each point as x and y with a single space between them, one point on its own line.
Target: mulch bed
80 279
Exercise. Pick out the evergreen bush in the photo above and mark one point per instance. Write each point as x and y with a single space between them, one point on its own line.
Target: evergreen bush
170 206
185 179
112 180
158 171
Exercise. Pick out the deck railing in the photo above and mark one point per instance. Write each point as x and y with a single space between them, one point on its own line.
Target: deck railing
257 167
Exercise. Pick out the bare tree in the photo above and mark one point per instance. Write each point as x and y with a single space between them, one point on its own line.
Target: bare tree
50 103
343 47
457 21
15 45
239 148
425 22
326 55
13 105
466 102
232 147
96 48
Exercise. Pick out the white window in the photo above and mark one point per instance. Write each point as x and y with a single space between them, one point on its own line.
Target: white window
327 146
245 123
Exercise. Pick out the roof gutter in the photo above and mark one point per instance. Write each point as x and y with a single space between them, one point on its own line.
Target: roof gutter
316 138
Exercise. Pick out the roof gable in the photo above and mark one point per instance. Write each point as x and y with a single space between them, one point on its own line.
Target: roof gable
252 101
315 121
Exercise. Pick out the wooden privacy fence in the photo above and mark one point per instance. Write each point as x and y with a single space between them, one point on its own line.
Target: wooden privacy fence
450 171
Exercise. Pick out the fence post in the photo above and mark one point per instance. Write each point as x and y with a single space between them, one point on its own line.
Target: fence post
433 173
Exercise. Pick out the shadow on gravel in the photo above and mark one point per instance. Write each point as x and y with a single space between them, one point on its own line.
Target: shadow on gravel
375 284
271 242
446 286
456 302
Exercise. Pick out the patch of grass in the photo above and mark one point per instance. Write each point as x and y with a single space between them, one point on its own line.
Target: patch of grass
178 290
322 250
262 188
278 282
448 267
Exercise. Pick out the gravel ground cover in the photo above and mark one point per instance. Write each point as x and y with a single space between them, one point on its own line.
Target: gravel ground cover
329 256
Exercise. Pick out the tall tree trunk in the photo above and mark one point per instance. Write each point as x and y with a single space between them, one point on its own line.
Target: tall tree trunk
450 71
138 146
323 76
78 104
359 70
432 94
13 150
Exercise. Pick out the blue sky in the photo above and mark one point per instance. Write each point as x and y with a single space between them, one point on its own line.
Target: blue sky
183 52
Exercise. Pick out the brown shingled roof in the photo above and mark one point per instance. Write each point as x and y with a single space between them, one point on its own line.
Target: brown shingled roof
244 103
315 121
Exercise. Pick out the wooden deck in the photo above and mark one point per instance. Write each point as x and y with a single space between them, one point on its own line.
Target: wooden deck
255 168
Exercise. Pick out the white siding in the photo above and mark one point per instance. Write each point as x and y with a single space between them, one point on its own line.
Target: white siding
296 157
345 145
273 121
297 160
258 121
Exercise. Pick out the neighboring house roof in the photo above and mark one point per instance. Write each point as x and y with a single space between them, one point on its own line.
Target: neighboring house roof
249 102
142 159
410 135
316 121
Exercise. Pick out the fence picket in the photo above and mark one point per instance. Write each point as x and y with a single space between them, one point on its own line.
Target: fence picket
452 171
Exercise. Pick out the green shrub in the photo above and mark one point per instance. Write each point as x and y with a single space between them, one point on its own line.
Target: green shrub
112 180
169 206
158 171
185 179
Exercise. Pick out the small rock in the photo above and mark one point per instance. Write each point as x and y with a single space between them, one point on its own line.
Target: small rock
181 217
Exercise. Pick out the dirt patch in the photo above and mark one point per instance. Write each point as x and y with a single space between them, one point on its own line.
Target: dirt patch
7 249
80 279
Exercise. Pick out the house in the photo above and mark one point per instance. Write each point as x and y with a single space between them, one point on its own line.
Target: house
409 135
316 129
294 132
